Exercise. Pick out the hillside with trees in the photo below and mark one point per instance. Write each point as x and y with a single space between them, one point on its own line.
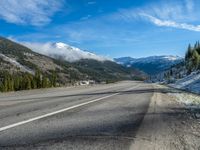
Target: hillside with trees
192 57
186 74
108 71
191 64
26 81
22 69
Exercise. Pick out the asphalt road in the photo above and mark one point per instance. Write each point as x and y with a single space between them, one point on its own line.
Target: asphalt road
93 117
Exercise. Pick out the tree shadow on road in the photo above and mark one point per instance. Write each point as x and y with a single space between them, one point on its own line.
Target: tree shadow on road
121 92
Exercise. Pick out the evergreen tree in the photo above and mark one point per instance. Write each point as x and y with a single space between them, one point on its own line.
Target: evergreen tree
1 87
196 45
45 82
195 60
16 83
33 82
27 82
53 79
188 53
198 48
192 57
5 84
38 79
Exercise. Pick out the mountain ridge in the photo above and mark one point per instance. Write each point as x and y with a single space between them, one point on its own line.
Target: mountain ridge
151 65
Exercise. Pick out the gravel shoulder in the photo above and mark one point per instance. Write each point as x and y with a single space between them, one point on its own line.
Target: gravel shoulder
168 125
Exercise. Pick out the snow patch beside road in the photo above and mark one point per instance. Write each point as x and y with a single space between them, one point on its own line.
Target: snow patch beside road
190 83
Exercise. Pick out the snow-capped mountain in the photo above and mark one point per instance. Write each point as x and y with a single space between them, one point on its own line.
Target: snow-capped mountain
63 51
151 65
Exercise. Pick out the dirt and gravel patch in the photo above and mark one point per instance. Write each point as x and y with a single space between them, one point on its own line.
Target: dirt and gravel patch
190 101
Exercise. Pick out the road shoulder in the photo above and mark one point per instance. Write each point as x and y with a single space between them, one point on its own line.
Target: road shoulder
167 125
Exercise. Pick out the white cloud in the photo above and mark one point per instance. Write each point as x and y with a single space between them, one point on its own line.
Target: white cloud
31 12
168 23
62 50
179 11
175 14
178 14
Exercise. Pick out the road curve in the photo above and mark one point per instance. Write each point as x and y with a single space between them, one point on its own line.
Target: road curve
93 117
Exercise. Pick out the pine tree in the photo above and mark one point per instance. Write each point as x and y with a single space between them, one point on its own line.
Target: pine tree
16 83
28 82
198 48
33 83
5 85
38 78
195 60
1 87
12 83
53 79
171 72
188 53
24 81
196 45
45 82
20 82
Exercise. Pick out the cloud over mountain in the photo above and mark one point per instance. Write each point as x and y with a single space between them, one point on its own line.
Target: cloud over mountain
63 51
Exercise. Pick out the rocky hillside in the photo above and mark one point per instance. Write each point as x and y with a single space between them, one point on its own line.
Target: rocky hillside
17 58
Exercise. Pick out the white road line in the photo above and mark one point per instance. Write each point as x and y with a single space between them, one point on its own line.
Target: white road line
53 113
59 111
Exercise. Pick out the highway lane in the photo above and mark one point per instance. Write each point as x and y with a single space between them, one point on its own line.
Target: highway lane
100 117
36 103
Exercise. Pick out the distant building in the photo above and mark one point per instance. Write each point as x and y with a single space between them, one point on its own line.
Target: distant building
86 82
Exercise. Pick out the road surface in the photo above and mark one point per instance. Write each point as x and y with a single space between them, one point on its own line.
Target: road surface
120 116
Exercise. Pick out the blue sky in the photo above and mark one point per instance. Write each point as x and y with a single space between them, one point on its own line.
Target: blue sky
112 28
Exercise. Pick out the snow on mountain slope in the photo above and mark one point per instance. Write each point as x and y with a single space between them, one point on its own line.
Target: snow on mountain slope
190 83
17 64
150 59
151 65
63 51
